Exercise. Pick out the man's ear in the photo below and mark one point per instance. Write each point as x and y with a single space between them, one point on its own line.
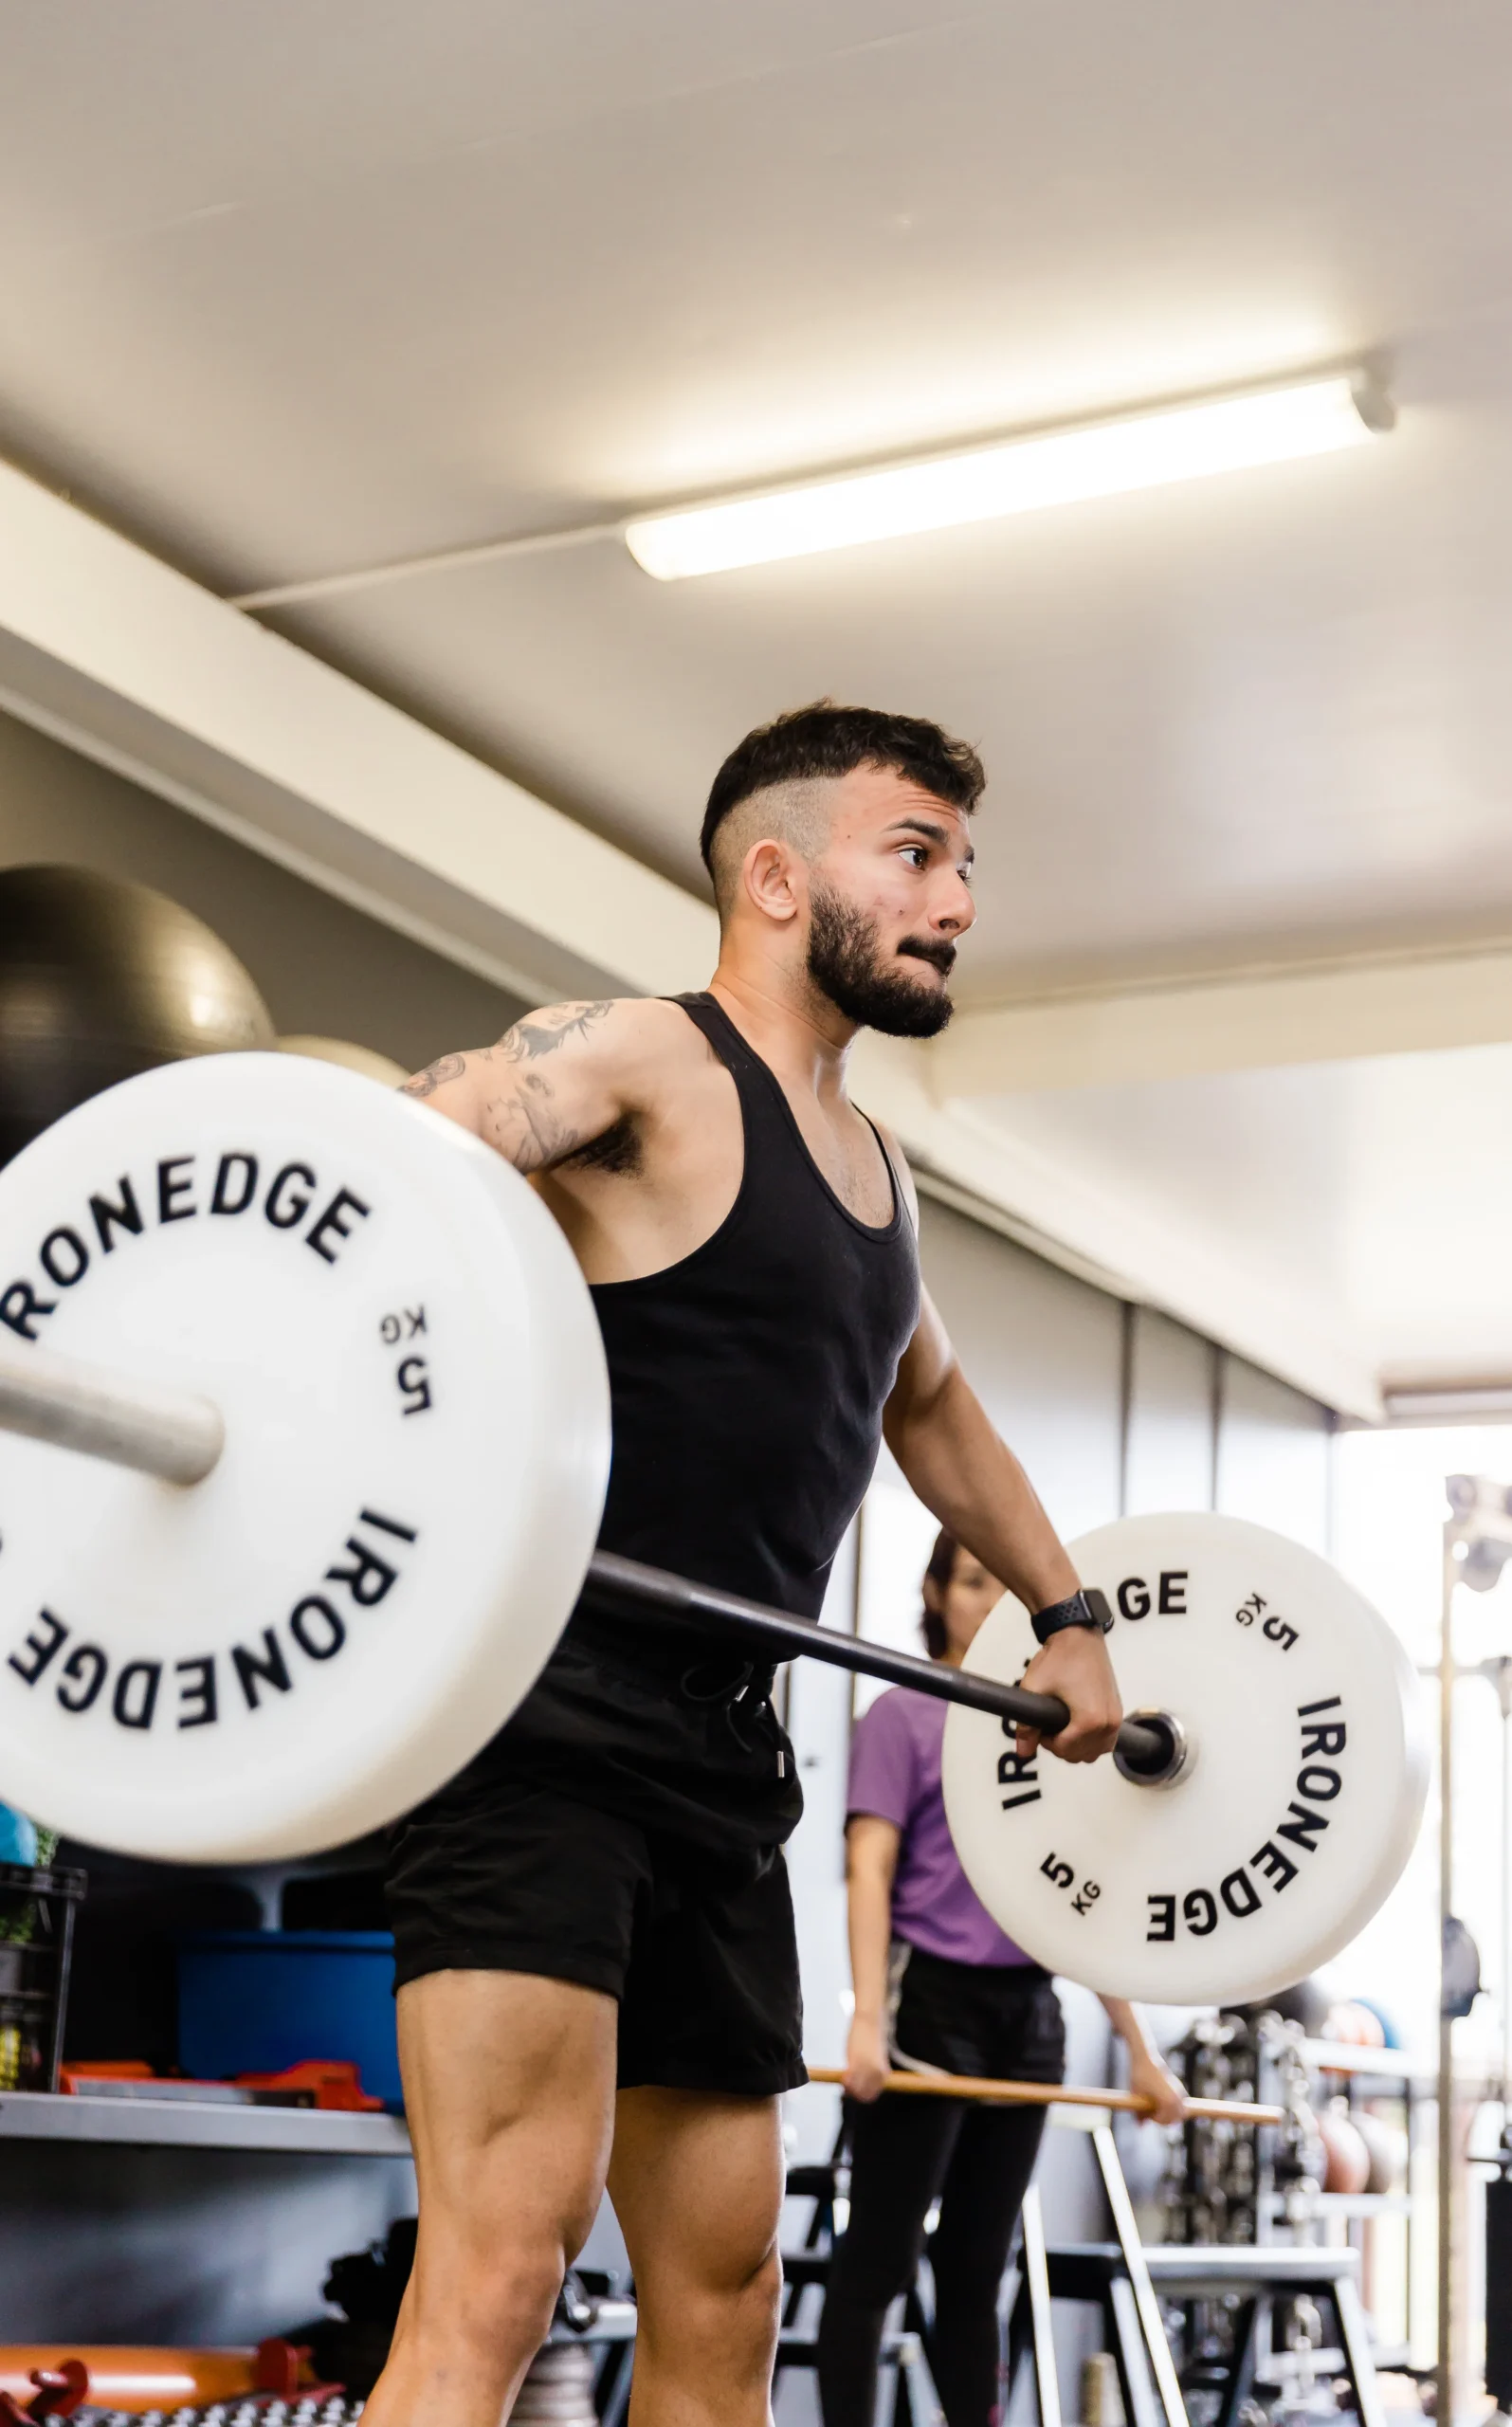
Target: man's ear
771 877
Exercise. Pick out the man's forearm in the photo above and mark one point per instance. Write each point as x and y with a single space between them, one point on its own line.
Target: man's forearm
966 1474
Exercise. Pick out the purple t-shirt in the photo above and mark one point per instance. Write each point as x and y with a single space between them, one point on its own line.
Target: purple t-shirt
895 1776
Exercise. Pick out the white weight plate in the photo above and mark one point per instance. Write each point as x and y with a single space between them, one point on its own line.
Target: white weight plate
329 1626
1296 1811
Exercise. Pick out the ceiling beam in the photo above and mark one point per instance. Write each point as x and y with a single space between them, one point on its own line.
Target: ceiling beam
125 660
1417 1003
109 649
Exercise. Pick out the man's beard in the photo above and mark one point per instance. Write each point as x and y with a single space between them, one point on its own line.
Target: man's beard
846 964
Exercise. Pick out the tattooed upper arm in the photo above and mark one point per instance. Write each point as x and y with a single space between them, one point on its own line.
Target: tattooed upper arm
537 1109
560 1078
545 1031
436 1074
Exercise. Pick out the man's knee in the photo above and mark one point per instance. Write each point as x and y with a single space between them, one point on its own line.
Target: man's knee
762 2290
500 2302
734 2307
496 2256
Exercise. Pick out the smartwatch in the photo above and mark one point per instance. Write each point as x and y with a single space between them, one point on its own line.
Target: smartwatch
1088 1607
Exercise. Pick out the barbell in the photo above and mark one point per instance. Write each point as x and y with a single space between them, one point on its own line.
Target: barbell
341 1404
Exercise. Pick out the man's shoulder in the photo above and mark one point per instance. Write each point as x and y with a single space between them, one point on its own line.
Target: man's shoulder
657 1046
620 1028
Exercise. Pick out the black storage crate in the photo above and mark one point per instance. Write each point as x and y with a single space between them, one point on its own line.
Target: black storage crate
36 1944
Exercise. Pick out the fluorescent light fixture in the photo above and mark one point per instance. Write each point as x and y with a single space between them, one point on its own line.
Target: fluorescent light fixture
1137 450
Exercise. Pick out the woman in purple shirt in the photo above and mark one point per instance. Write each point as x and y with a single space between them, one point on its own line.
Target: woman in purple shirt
938 1988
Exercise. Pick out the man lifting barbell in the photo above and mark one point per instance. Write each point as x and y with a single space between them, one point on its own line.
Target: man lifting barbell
304 1445
608 1869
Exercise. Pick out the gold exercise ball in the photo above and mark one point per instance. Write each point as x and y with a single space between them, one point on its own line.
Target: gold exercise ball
360 1058
101 980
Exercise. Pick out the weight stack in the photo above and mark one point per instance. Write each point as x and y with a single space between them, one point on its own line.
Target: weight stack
558 2386
1499 2290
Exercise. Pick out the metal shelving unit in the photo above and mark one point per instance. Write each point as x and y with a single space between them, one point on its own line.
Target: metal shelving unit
183 2123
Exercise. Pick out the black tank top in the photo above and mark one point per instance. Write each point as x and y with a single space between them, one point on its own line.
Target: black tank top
747 1384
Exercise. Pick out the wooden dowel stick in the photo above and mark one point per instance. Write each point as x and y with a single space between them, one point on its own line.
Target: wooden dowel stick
1218 2111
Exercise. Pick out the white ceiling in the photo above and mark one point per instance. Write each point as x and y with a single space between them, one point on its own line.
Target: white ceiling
290 288
1378 1188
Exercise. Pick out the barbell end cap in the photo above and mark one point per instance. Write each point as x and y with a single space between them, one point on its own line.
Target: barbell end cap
1153 1749
197 1457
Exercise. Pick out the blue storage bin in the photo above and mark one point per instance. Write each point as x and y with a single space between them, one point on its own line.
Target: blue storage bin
256 2002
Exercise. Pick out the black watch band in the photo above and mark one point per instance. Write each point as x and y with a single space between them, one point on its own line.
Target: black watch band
1088 1608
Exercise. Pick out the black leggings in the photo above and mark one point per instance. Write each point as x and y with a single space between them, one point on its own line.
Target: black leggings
906 2152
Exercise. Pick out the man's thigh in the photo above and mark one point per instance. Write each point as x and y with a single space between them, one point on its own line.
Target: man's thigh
509 2093
697 2181
711 2030
513 1908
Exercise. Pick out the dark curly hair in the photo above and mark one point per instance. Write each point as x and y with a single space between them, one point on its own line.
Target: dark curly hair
939 1571
827 739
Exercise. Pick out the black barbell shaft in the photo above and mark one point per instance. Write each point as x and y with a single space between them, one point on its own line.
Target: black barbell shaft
786 1637
174 1436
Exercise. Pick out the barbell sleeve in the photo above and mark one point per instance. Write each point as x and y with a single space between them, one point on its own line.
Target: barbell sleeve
786 1637
973 2085
146 1426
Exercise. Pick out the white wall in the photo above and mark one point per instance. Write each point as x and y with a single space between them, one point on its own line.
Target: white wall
1274 1455
1045 1354
1169 1448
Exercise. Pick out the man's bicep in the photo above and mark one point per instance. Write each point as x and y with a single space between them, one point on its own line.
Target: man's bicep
924 1368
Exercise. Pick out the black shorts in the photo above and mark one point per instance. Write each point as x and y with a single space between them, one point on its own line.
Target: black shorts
1000 2021
499 1874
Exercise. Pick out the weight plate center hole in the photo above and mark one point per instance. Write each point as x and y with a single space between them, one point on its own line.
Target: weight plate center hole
1159 1755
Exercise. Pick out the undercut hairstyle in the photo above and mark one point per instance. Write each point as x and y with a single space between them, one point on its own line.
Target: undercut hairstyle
939 1572
787 764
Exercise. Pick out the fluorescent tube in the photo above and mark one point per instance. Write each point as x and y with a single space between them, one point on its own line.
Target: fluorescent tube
1013 476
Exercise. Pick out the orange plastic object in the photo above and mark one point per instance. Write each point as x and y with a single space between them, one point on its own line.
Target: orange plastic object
279 2366
57 2393
284 2368
125 2376
334 2081
77 2077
